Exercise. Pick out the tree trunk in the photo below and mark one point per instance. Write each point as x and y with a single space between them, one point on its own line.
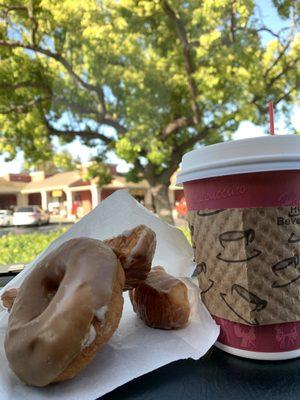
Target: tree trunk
161 202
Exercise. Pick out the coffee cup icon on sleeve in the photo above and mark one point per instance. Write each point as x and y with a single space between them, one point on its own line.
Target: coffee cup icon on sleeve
294 238
239 298
237 246
287 271
204 281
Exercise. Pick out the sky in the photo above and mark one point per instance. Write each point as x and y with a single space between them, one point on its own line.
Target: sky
245 130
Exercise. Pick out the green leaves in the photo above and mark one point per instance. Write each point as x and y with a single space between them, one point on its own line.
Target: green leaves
56 162
284 7
127 150
99 171
139 67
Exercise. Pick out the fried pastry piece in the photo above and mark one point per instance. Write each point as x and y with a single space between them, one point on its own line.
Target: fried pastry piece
135 249
8 298
161 300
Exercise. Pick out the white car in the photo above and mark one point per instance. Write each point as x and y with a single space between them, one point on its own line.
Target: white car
6 217
30 215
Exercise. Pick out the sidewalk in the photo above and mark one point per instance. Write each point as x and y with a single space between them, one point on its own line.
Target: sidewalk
57 219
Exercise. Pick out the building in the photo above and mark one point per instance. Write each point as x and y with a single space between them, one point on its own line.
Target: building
10 189
67 194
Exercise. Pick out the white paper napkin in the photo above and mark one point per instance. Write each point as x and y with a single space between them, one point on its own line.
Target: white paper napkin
134 349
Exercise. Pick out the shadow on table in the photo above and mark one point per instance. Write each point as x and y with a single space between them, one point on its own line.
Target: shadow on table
216 376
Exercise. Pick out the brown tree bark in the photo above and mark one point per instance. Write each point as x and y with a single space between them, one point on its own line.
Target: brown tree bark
161 202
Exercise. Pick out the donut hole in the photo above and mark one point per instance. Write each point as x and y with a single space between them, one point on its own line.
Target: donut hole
32 345
50 288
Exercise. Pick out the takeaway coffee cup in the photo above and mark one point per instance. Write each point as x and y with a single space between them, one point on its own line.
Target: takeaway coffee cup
243 201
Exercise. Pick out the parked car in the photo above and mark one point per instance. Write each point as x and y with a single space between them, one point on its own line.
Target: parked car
6 217
30 215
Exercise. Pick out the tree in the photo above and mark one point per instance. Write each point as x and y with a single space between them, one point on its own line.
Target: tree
57 162
149 79
99 168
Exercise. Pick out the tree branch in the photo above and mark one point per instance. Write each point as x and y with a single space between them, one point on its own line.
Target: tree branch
286 94
269 84
188 61
108 120
72 134
24 84
177 124
103 117
101 98
30 14
75 107
138 166
275 62
24 108
8 9
100 118
284 70
187 145
232 22
59 58
55 56
266 29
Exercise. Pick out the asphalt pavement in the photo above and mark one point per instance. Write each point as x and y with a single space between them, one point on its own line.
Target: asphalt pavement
31 229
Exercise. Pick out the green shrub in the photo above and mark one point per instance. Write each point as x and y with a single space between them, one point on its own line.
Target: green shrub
15 249
186 232
23 249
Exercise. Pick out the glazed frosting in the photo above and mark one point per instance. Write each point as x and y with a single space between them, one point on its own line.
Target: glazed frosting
162 300
51 319
91 336
135 249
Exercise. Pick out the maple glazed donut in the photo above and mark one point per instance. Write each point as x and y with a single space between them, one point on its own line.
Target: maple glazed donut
65 310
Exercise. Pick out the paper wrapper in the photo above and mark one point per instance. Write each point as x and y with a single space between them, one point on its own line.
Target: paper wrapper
134 349
248 263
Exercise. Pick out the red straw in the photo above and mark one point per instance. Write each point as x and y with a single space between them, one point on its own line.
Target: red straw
271 116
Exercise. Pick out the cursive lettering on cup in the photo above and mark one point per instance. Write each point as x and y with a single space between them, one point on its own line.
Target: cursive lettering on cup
224 193
287 200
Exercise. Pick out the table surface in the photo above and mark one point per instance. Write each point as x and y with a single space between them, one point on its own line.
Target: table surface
216 376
